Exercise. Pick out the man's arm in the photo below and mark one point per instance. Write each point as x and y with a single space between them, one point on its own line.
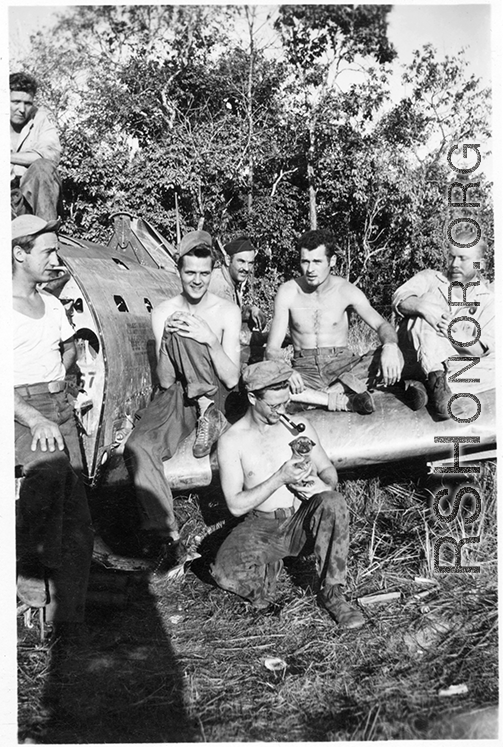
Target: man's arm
225 353
391 357
68 353
24 159
252 315
279 324
42 141
277 333
240 501
43 431
424 307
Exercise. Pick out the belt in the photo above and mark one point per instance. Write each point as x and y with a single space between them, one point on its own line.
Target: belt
280 513
44 387
317 351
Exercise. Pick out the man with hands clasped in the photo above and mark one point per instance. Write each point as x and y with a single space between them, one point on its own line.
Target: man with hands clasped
197 343
289 503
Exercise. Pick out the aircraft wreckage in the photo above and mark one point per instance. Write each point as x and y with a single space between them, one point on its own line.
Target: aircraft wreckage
109 292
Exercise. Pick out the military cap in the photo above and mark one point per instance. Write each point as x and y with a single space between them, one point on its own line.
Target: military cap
265 373
32 225
241 244
193 239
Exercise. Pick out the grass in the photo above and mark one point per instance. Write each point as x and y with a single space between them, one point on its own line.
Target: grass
184 661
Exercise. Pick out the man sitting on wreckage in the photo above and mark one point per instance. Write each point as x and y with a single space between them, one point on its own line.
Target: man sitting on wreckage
315 306
197 343
285 487
449 356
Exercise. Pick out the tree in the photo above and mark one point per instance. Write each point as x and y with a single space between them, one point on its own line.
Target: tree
319 40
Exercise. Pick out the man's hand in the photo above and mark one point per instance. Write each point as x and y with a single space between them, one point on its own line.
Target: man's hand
190 325
433 313
257 318
296 383
315 485
47 434
295 470
391 363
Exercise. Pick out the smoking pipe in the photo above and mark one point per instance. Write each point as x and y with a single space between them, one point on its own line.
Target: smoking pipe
299 427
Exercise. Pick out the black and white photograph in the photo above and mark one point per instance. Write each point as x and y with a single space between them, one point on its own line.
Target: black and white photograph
251 473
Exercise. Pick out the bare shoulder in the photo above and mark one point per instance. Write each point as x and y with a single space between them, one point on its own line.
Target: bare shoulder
229 441
347 290
288 291
165 308
229 313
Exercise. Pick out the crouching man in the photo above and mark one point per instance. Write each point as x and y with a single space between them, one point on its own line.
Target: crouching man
289 501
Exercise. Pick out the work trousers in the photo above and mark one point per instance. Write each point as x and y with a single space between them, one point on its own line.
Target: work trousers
426 351
54 523
250 558
168 419
40 189
326 366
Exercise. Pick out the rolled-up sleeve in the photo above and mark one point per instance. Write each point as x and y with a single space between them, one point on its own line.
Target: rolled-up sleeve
416 286
42 138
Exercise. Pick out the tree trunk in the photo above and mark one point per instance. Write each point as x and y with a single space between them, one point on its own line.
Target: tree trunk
250 15
313 215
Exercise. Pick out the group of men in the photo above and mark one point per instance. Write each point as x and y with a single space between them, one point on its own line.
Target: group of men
285 489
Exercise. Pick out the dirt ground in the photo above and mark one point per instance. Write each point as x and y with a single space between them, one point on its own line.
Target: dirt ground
181 661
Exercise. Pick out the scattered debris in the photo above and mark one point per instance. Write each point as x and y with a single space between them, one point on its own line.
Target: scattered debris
274 664
424 580
453 690
175 619
387 596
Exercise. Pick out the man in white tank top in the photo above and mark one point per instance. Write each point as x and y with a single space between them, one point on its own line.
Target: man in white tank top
54 533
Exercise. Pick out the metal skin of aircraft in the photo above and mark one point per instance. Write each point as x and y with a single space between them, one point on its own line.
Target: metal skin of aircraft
109 292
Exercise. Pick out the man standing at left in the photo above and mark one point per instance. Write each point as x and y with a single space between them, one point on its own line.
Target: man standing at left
54 533
35 152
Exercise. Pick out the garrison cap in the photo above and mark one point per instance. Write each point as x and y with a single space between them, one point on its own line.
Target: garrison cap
193 239
241 244
265 373
32 225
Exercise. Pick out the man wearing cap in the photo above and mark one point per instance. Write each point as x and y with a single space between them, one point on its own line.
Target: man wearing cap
288 502
229 280
35 152
315 308
197 343
55 537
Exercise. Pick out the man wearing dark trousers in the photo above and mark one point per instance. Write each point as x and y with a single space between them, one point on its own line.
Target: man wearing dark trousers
286 490
197 343
54 536
35 152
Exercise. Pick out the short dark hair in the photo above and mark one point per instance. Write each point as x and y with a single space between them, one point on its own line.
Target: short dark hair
202 250
313 239
25 242
259 393
23 82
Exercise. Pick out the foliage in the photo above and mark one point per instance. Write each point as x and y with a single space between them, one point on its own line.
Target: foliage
158 101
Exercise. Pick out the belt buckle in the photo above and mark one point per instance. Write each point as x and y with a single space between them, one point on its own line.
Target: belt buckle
53 387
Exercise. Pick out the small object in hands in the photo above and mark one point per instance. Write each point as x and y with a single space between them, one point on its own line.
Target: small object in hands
299 427
301 447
